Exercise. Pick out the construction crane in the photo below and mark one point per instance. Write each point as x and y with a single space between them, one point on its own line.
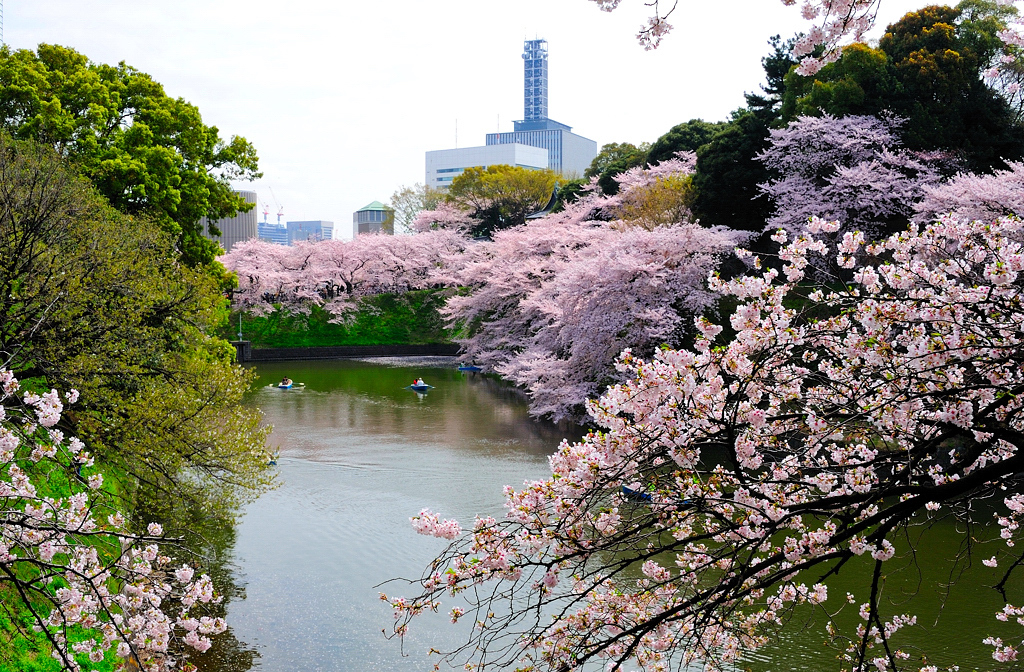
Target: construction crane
266 210
280 208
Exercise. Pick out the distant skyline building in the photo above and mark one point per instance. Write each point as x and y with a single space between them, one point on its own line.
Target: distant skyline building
316 229
373 218
568 153
273 233
444 165
234 230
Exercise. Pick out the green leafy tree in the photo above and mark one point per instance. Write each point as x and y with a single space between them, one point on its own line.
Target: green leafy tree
499 197
728 173
861 82
685 137
946 102
776 65
569 192
615 152
979 26
927 70
407 202
93 299
147 153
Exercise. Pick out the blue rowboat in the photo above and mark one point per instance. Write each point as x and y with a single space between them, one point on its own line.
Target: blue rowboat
635 495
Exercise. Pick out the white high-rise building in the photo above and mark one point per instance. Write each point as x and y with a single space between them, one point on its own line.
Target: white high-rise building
444 165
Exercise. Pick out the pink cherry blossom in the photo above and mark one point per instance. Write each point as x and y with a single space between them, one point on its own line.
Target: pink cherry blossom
817 431
119 599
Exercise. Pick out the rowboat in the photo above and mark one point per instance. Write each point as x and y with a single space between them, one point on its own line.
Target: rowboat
635 495
469 368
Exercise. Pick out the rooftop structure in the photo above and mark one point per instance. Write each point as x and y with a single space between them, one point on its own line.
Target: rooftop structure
444 165
373 218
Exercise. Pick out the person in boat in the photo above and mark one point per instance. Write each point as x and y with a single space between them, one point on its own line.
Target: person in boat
418 382
285 382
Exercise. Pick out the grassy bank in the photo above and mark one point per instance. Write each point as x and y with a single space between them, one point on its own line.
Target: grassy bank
412 318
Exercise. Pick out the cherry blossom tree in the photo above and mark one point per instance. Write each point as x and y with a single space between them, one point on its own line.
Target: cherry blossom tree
727 484
91 585
976 196
335 274
848 169
551 304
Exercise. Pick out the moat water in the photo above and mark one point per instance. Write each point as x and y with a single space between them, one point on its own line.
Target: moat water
358 454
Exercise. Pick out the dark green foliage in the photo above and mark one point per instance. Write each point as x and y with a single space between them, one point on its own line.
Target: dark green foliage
620 165
728 173
685 137
412 318
945 101
612 153
569 192
146 152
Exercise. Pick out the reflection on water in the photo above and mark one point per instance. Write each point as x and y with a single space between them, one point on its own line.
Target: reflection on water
359 455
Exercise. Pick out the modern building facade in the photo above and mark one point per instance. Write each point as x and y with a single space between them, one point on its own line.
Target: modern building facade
373 218
568 153
273 233
234 230
316 229
444 165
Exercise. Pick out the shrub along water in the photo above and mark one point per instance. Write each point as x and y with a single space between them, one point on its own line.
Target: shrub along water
412 318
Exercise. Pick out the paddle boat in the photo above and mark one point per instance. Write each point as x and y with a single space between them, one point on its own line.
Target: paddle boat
419 386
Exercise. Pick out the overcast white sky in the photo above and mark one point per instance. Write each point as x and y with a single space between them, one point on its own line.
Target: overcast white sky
342 98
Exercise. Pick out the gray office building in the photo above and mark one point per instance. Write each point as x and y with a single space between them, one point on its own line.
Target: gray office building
234 230
568 153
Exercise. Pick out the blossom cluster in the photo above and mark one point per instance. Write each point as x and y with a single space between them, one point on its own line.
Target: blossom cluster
112 589
335 274
681 531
